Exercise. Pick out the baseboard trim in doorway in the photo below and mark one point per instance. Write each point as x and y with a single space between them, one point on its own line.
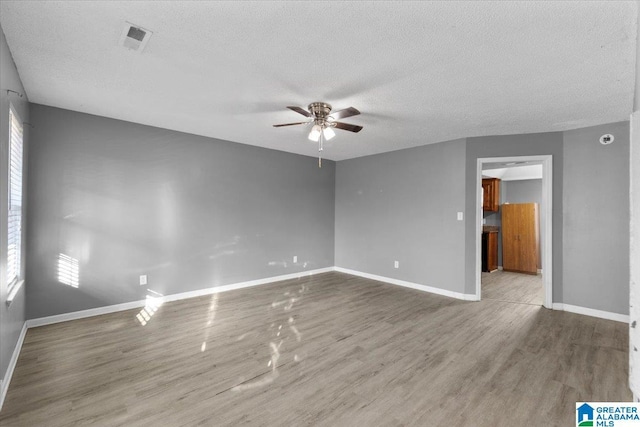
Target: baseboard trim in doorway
49 320
424 288
4 387
501 269
591 312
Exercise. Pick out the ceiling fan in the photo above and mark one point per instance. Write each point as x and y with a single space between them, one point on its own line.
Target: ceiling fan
323 122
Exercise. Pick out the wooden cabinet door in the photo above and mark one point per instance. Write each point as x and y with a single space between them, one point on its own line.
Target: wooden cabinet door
489 251
510 246
520 237
492 251
490 194
486 195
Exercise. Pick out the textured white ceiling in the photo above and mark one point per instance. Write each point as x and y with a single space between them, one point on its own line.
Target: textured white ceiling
420 72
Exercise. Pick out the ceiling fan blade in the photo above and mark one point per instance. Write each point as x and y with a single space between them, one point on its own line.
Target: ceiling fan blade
347 112
300 110
290 124
347 126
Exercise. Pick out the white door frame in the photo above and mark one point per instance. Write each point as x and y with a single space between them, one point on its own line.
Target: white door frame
547 200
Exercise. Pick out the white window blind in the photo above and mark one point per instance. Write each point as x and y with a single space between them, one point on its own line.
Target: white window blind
14 231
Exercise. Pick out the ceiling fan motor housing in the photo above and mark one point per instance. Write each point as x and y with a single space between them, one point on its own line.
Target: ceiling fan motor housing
320 110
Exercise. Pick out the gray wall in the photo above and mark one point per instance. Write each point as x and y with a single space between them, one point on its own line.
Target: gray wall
402 206
549 143
12 318
522 191
596 219
190 212
590 211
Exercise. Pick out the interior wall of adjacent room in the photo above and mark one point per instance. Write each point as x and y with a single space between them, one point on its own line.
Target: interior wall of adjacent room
123 200
12 317
402 206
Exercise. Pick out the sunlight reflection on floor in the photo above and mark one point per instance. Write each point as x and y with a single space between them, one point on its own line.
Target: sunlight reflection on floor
286 304
211 316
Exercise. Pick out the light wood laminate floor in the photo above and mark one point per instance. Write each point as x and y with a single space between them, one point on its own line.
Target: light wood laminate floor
330 350
513 287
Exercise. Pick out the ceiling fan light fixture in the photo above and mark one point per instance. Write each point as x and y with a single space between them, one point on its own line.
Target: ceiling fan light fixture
314 135
328 133
319 114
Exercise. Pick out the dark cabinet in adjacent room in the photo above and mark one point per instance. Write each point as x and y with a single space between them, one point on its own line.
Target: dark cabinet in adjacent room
489 251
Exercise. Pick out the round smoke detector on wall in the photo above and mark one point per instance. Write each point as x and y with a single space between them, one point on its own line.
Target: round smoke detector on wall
606 139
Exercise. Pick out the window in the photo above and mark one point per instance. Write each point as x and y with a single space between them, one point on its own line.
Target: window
14 226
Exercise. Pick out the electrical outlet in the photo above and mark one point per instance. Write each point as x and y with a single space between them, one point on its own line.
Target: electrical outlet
396 264
460 216
143 279
295 258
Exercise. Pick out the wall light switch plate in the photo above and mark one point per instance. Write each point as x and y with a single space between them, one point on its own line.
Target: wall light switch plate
143 279
460 216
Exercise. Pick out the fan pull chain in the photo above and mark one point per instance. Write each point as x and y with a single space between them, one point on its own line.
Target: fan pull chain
320 148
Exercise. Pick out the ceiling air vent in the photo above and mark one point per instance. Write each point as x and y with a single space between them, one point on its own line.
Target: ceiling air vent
134 37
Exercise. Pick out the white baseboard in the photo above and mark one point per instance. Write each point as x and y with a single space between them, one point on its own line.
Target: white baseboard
539 269
12 364
624 318
424 288
75 315
49 320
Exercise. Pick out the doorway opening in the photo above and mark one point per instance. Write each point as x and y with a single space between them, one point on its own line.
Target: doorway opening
544 212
